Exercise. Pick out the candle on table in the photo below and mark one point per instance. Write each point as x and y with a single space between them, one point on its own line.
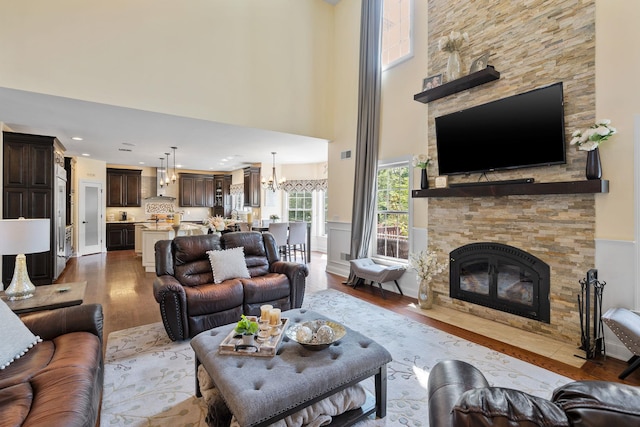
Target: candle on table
264 312
274 316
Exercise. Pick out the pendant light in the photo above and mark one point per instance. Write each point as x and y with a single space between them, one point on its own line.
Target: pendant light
166 174
161 170
173 177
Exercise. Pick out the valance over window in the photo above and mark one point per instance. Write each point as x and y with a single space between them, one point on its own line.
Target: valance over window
305 185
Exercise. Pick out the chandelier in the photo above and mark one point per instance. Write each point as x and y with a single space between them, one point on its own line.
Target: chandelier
273 183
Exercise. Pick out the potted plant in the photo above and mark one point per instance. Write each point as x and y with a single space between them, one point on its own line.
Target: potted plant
274 218
247 328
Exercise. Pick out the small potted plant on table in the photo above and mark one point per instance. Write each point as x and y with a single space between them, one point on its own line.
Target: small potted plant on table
247 328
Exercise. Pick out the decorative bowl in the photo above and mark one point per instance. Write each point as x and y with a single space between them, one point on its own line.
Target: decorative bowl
339 331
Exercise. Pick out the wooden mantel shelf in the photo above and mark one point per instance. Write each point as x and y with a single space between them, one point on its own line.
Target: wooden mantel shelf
481 77
497 190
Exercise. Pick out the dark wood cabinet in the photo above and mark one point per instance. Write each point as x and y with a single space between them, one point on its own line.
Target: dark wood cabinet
121 236
226 195
222 195
209 192
196 190
123 187
252 187
28 179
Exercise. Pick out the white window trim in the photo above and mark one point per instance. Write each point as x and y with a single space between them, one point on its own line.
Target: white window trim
317 212
384 260
409 55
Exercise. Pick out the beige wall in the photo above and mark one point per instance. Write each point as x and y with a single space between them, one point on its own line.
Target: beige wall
254 63
346 47
618 99
305 171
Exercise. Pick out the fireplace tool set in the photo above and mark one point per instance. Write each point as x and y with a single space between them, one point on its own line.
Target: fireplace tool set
591 340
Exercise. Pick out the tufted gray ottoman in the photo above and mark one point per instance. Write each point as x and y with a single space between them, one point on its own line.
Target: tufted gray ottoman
262 390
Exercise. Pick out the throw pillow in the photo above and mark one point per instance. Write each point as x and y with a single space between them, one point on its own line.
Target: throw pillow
228 264
17 339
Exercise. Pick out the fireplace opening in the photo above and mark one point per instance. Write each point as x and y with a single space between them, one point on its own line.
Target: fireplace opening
501 277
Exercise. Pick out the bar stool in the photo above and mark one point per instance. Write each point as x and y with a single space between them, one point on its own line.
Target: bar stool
280 233
298 239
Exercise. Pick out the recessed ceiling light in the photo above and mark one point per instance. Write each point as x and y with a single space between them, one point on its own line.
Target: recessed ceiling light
76 138
141 163
86 154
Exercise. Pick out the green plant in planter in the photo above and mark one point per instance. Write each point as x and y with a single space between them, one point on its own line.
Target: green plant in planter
274 218
246 326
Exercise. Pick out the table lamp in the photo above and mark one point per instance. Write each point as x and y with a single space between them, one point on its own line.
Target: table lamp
19 237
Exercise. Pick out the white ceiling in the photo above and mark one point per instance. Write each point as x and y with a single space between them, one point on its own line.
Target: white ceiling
125 136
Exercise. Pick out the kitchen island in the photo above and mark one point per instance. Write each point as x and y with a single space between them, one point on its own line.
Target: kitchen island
152 232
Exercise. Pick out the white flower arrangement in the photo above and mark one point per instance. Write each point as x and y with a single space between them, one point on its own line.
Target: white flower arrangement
426 264
216 223
592 137
453 41
420 161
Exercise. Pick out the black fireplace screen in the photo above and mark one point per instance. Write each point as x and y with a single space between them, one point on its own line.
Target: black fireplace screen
501 277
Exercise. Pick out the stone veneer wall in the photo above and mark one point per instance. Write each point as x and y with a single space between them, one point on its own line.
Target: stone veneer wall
532 44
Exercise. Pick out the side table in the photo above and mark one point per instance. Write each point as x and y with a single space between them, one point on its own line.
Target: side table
49 297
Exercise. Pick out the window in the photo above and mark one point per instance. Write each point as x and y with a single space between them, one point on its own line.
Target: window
300 206
392 204
397 43
310 207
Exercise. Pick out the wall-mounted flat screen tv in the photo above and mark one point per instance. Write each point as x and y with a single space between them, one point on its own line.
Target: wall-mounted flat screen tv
519 131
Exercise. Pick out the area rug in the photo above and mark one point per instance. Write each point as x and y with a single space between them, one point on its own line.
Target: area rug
150 380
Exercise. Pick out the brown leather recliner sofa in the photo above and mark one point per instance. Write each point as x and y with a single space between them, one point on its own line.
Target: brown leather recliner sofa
459 395
59 381
190 301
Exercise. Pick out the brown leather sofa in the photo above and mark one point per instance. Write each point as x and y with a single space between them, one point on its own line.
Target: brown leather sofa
459 395
190 301
59 381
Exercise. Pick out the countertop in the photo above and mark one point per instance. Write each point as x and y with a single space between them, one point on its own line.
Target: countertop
167 226
148 221
130 222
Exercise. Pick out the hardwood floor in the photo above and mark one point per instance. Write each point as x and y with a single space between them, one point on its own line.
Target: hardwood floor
117 281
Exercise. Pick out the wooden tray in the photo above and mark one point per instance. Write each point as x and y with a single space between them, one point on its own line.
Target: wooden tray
263 348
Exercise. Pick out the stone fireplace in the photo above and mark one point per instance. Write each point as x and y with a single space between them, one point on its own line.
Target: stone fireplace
558 229
501 277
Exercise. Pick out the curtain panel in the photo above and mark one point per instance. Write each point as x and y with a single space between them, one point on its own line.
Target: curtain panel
364 189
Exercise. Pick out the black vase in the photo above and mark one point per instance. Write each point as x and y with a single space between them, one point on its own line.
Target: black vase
424 179
594 167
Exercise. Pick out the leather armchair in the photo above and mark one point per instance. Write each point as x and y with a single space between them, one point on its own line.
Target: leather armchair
59 381
190 301
459 395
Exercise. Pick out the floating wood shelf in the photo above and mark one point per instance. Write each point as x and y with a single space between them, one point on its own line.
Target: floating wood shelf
496 190
458 85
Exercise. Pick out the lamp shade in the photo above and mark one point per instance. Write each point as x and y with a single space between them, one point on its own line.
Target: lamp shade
24 236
